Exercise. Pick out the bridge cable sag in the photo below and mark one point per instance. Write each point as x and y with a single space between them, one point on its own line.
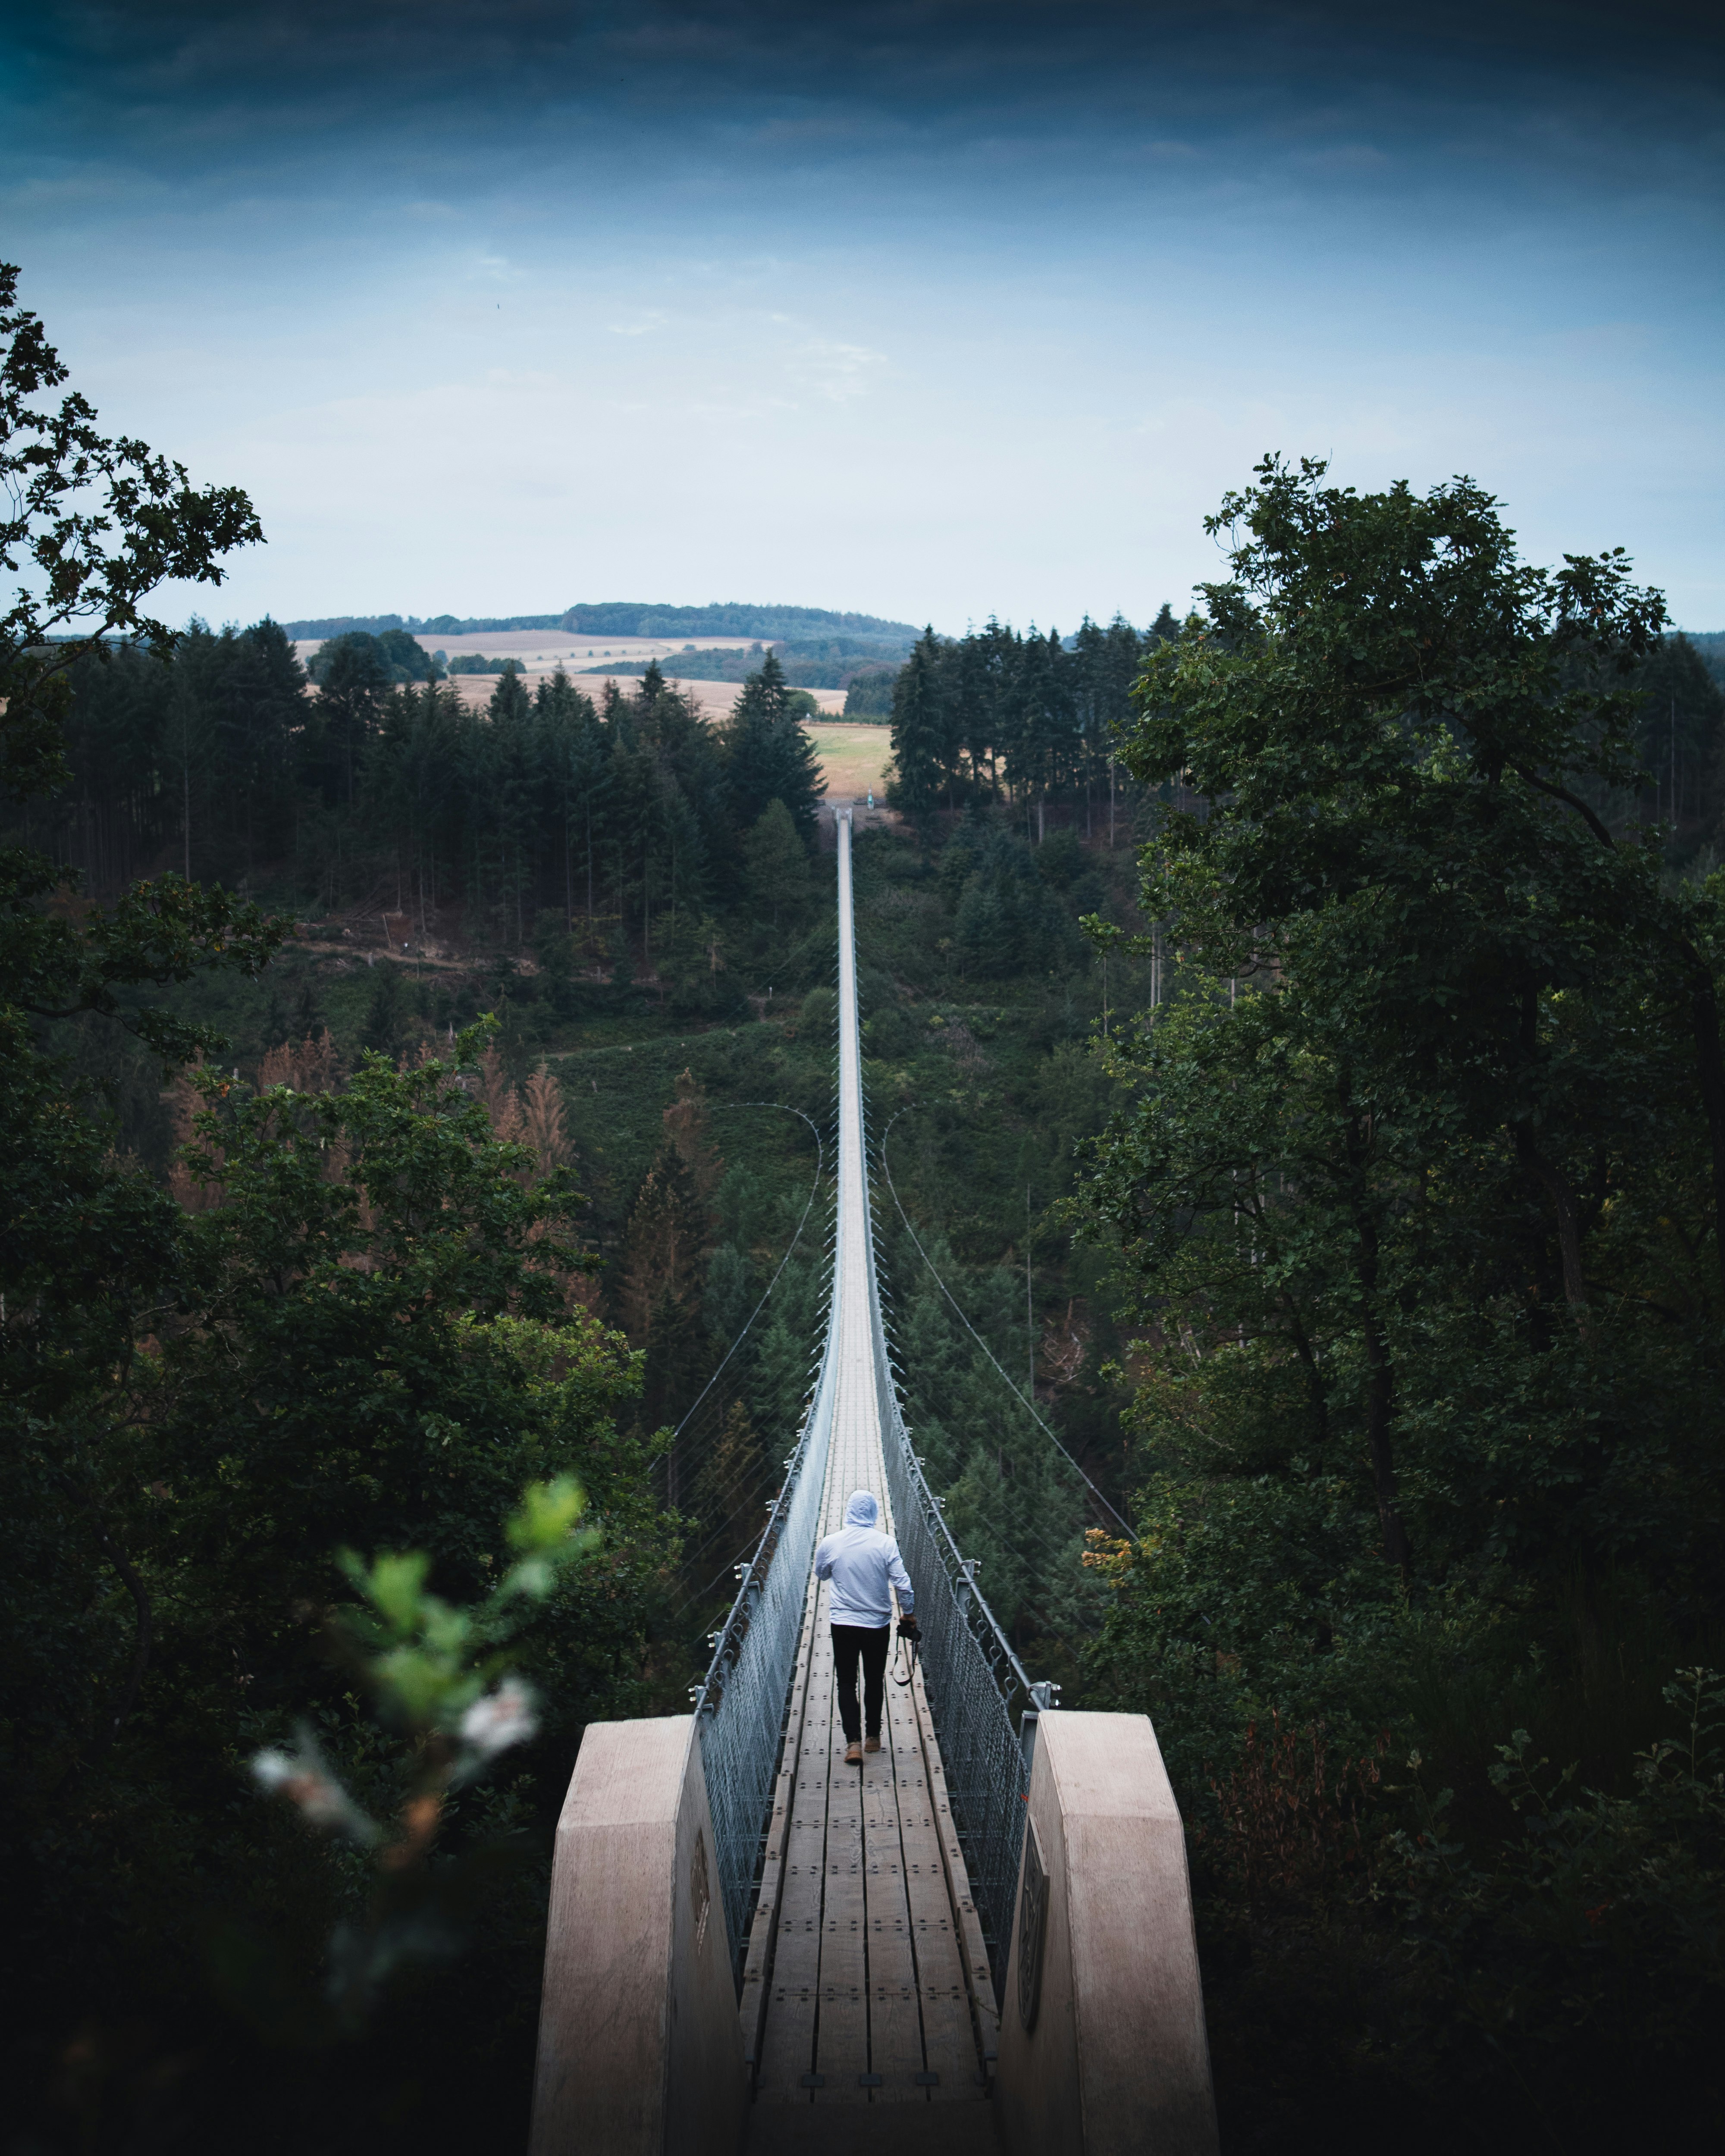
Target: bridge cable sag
819 1168
727 1489
1017 1394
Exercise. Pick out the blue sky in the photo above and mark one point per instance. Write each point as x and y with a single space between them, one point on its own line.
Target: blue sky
934 309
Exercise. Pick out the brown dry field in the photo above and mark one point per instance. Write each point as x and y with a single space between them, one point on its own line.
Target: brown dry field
713 698
853 758
541 652
550 647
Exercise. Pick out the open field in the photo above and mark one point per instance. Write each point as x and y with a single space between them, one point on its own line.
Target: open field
853 758
549 648
541 653
713 698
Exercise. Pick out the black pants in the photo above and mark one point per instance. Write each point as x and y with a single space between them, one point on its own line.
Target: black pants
871 1643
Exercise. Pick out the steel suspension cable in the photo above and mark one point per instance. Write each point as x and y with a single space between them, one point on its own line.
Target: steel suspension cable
820 1155
1028 1406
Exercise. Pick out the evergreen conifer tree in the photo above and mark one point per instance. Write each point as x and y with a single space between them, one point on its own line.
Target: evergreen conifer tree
306 1023
509 703
667 1249
769 755
384 1014
356 679
776 864
923 748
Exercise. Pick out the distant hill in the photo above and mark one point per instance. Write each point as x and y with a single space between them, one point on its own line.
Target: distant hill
636 617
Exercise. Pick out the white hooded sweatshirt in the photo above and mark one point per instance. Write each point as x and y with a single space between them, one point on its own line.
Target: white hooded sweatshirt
861 1562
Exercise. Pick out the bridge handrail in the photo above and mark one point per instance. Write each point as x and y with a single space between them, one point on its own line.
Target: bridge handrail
977 1686
740 1704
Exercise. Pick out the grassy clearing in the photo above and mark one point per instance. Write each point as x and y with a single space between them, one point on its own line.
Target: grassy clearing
853 758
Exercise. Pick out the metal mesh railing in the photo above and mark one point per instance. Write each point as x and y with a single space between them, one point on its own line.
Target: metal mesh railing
977 1686
740 1706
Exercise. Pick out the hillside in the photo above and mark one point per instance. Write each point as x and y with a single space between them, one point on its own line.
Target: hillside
632 617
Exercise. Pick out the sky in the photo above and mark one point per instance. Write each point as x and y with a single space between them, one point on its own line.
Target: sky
934 309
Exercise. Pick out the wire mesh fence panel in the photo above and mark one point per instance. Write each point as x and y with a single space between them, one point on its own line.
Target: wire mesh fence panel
740 1706
977 1687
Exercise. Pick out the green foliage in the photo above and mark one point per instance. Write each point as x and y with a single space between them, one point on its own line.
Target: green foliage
359 1323
870 695
996 712
778 879
96 523
1593 1936
367 1339
769 756
1007 920
383 1018
391 656
1419 1187
924 744
437 1673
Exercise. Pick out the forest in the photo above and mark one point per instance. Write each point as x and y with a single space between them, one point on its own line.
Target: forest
1293 1038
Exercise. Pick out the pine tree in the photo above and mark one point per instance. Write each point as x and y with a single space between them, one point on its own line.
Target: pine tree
354 680
779 884
543 1126
666 1247
306 1023
922 747
384 1015
769 755
509 702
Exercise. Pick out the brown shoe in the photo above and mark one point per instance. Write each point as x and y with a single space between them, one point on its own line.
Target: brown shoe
853 1755
871 1744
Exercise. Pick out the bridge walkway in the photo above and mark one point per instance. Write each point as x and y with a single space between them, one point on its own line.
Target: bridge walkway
870 1988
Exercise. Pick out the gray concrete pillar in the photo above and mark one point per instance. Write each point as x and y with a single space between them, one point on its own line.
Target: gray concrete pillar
1102 2044
639 2048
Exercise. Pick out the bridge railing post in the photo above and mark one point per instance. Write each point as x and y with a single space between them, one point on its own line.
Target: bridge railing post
1103 2050
639 2052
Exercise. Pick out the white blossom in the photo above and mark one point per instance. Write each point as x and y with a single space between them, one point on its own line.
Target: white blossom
502 1718
311 1786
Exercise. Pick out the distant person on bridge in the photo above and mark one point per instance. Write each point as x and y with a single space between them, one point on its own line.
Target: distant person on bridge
864 1565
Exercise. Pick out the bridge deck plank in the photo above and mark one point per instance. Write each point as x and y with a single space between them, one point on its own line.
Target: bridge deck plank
788 2040
841 2039
895 2023
972 1949
875 1927
948 2036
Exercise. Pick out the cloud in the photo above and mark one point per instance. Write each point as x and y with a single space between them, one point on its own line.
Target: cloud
468 289
837 372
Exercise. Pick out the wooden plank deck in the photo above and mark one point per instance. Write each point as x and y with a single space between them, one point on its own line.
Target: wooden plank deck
870 1994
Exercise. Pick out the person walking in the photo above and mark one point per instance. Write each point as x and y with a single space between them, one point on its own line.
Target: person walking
864 1566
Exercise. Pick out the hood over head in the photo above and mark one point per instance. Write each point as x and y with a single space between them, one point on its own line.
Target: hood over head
862 1510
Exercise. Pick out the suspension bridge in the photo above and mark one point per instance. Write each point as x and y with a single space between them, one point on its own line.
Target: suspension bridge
981 1941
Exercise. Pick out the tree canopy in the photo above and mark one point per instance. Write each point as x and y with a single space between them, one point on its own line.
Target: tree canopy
1419 1184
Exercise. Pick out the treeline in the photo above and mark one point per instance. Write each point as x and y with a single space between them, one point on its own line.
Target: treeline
1419 1170
627 819
999 715
808 662
350 1320
629 618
